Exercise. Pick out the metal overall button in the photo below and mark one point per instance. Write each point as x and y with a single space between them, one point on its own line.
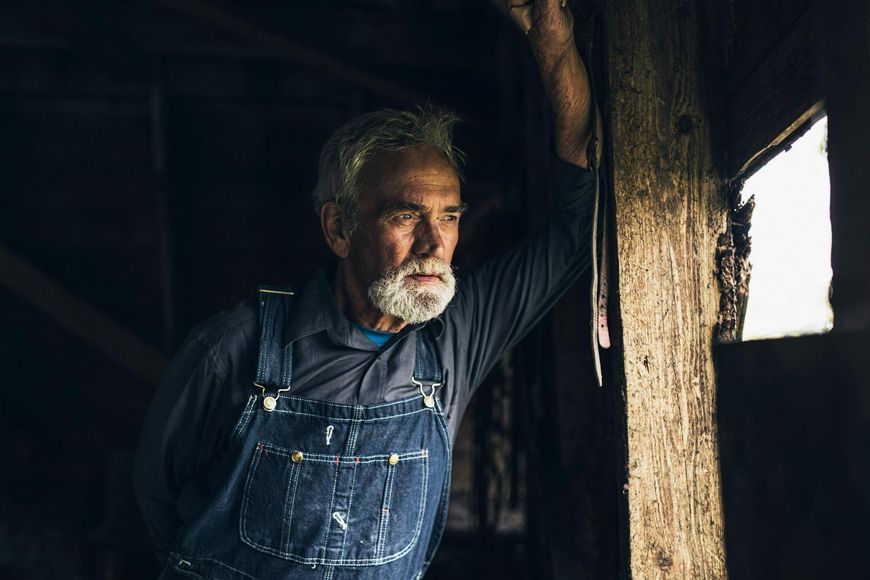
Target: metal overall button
394 459
270 402
297 457
428 398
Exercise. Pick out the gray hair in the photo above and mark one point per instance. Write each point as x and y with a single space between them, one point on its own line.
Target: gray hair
356 142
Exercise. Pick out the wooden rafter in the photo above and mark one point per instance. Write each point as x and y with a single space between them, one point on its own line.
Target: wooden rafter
80 318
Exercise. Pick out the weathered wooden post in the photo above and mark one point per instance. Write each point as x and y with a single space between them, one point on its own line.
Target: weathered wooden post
668 179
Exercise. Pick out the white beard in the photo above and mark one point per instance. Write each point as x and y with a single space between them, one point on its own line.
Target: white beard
397 295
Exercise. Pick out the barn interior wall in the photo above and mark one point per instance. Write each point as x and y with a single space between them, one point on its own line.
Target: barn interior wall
157 168
156 165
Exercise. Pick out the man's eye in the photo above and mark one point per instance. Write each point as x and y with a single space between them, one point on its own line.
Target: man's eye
451 218
404 217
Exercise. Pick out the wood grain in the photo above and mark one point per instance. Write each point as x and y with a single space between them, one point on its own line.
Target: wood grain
669 211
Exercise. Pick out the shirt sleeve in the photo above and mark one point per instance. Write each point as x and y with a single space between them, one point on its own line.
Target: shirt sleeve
170 440
188 428
499 303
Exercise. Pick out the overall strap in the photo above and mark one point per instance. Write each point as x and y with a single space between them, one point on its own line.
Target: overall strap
427 367
274 361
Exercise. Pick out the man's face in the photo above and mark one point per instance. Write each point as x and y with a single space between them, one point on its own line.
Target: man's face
409 210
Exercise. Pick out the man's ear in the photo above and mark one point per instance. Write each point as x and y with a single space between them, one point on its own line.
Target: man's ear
333 229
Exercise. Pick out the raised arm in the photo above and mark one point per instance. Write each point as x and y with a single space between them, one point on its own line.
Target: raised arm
549 26
497 304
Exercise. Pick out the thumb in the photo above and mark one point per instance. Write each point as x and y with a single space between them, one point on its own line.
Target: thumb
520 11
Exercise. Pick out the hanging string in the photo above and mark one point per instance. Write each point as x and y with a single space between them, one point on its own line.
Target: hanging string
599 331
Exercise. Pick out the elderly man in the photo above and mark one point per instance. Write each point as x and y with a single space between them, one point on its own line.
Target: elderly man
309 436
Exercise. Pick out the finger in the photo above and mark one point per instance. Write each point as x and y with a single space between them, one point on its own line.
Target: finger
520 11
523 16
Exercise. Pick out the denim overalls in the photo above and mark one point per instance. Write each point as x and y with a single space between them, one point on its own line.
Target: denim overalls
320 490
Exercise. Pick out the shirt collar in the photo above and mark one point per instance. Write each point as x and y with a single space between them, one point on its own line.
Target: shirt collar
316 310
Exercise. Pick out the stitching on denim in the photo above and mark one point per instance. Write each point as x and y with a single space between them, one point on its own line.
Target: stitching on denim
385 511
442 422
412 456
441 515
289 505
322 559
321 402
189 573
423 410
244 419
354 431
246 498
327 458
331 509
351 419
384 559
287 365
264 344
349 507
350 446
383 525
174 561
418 346
250 415
219 563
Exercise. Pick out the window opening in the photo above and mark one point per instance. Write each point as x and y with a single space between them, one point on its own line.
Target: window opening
789 285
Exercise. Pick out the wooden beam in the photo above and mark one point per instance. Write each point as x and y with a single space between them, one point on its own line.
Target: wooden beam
80 318
224 20
665 61
847 80
781 93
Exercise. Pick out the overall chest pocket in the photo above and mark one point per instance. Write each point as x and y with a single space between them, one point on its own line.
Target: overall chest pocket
325 509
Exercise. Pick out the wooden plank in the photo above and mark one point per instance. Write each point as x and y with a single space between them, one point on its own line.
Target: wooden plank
794 417
80 318
758 27
847 67
782 93
664 60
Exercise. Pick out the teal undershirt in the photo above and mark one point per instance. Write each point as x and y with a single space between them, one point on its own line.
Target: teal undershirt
378 337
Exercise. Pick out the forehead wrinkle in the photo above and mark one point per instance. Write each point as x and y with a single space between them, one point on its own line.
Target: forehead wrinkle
421 186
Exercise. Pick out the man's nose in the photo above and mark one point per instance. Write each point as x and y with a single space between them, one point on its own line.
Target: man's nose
428 240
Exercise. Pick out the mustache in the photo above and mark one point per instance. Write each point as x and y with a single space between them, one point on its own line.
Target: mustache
429 265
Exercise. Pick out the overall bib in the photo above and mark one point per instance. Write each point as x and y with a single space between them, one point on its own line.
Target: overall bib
318 490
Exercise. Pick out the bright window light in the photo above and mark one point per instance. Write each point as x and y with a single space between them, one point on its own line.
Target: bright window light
791 241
